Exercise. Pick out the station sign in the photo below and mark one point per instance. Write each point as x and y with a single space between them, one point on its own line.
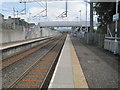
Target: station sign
116 17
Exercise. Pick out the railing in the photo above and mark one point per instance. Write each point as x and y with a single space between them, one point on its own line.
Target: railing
112 45
100 40
93 39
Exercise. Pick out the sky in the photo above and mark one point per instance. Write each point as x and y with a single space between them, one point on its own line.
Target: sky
55 8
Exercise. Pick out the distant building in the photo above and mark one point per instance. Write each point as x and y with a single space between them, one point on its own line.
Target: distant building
14 23
1 21
31 25
10 21
1 18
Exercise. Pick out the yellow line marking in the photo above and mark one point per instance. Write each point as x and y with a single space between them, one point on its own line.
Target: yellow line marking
79 78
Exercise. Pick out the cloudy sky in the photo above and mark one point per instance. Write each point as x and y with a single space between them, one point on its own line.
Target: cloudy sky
55 8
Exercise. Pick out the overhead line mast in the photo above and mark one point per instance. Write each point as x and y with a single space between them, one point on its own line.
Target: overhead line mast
30 1
65 13
66 8
46 8
23 1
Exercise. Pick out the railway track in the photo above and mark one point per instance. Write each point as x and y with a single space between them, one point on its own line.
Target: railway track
17 58
12 73
38 75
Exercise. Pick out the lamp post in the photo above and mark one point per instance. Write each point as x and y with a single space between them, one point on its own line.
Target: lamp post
86 23
29 17
116 23
14 18
80 14
116 29
86 18
77 19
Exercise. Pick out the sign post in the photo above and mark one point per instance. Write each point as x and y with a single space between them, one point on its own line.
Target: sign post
116 18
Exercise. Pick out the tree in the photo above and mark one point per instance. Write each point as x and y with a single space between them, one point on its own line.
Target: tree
105 12
52 28
23 22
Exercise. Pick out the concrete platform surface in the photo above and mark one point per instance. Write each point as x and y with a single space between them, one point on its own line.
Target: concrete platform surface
8 45
100 67
68 72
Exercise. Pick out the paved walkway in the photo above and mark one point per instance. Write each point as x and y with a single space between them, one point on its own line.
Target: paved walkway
99 66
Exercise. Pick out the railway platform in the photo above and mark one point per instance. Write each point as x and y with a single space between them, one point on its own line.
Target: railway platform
84 66
13 44
100 67
68 72
14 48
69 64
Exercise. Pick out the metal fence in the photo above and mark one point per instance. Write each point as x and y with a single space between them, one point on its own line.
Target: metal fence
94 39
112 45
100 41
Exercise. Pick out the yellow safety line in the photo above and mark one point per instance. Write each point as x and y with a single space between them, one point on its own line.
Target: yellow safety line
79 78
